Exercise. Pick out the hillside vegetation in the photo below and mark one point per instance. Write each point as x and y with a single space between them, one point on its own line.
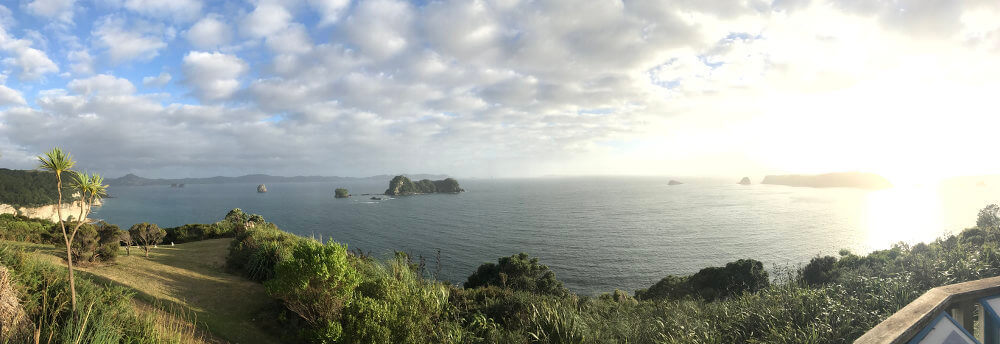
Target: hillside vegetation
304 291
26 188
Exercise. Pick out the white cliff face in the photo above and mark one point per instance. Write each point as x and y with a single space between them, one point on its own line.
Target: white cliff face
47 212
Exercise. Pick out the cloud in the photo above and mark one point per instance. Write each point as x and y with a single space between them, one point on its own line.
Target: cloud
81 62
266 19
381 28
9 96
179 10
157 81
61 10
33 63
210 32
101 85
330 11
213 76
512 87
124 44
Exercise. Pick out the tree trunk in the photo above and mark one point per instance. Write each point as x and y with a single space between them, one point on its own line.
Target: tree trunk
69 253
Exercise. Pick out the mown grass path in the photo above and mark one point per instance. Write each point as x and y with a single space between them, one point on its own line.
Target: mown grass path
192 275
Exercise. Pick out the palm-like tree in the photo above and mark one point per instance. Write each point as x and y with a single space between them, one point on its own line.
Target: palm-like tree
58 161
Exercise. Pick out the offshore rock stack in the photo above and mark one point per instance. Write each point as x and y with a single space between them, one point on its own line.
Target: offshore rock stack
261 188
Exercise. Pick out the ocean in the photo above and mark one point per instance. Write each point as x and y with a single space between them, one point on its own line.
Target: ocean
598 233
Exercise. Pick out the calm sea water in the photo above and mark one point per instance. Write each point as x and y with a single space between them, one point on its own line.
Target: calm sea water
597 234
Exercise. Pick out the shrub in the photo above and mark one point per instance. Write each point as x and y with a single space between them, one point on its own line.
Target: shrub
146 235
393 303
316 284
255 251
741 276
22 228
820 270
198 231
518 272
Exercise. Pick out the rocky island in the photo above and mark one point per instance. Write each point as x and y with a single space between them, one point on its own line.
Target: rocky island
745 181
401 186
674 182
341 193
831 180
261 188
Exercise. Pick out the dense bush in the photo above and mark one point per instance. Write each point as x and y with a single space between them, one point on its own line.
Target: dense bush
394 304
256 251
95 242
316 283
107 312
28 188
518 272
198 231
21 228
736 278
820 270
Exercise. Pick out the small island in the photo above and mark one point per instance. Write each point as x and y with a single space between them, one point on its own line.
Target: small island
341 193
261 188
674 182
745 181
831 180
401 186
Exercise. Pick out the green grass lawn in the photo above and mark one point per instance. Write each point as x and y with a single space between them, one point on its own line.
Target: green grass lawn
191 275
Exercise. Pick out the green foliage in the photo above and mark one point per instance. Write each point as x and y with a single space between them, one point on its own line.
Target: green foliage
341 193
198 231
146 235
27 188
316 283
989 218
21 228
107 310
401 185
518 272
394 304
819 271
255 251
736 278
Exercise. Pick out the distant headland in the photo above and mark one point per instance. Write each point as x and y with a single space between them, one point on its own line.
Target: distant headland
831 180
134 180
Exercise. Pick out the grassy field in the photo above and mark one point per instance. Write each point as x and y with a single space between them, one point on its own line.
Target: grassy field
191 275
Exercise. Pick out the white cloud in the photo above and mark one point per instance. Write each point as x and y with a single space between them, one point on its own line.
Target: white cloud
6 17
81 62
102 85
381 28
179 10
158 81
292 40
213 76
33 63
9 96
210 32
266 19
61 10
330 11
124 44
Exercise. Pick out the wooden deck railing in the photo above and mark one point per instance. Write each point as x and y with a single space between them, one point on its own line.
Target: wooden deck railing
961 301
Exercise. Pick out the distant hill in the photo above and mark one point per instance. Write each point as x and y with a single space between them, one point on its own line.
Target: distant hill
134 180
830 180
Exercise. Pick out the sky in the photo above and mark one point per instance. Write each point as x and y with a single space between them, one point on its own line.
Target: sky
506 88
